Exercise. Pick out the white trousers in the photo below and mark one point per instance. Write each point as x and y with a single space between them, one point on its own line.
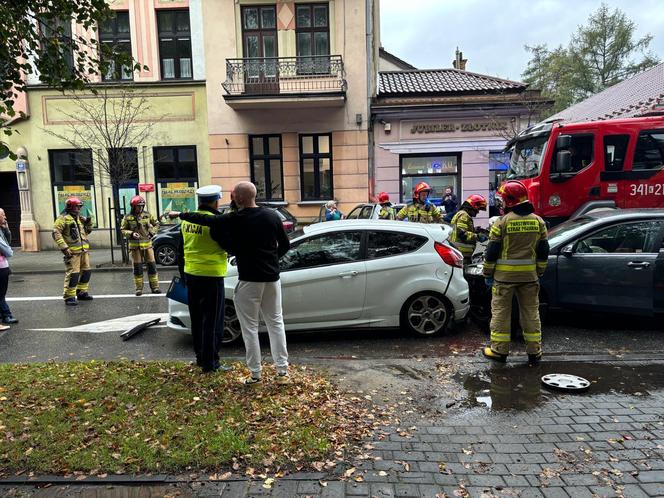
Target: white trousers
253 299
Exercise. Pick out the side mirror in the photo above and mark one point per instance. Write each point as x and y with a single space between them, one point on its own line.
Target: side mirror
563 142
567 251
563 161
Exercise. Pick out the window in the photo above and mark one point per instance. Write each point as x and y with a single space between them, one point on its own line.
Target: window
312 31
626 238
175 163
60 30
174 44
123 164
581 149
615 152
259 40
115 36
266 167
316 167
649 153
71 167
361 213
439 171
328 249
382 244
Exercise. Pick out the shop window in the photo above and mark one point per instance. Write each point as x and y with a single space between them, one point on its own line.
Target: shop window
439 171
176 174
316 167
72 176
312 31
266 167
174 44
649 153
615 152
581 150
114 34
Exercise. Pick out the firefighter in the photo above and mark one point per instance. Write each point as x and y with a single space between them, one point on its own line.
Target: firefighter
386 210
139 227
464 235
421 209
70 232
514 261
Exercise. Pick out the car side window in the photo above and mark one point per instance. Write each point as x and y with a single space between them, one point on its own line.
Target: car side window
581 149
615 152
649 153
355 213
382 244
625 238
366 213
321 250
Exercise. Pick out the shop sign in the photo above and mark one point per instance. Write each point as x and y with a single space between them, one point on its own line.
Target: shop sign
177 196
146 187
85 193
496 126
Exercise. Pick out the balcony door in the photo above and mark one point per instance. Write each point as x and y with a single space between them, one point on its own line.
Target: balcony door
259 42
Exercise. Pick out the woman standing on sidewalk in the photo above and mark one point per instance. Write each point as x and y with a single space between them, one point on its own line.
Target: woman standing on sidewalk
5 252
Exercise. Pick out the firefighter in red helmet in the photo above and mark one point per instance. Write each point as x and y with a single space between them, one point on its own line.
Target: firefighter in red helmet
421 209
514 261
464 235
386 210
139 226
70 233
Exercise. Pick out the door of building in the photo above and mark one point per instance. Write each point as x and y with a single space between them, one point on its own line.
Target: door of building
11 203
259 43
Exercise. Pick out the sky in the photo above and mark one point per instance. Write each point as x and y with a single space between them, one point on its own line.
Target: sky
492 33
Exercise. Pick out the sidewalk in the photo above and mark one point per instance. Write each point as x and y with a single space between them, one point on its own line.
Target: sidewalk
505 438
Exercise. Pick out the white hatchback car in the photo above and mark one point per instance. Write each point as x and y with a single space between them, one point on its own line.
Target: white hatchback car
361 274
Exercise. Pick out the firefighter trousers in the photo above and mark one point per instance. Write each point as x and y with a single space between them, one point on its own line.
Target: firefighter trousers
527 295
138 257
77 274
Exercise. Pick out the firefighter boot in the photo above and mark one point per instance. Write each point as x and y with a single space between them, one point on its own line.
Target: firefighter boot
153 278
492 355
138 278
534 359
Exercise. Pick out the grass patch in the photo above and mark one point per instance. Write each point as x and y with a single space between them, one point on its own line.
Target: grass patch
167 417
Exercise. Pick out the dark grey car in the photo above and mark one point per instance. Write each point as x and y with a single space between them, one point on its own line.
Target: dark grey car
607 261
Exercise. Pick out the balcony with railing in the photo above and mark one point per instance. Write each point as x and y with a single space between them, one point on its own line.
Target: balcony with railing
285 82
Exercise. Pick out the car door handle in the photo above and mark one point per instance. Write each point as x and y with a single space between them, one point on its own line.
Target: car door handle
348 274
638 264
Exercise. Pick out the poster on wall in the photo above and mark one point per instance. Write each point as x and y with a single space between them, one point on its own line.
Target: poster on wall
85 193
177 196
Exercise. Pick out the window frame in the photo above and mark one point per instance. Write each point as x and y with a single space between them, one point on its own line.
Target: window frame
458 188
649 133
621 136
66 40
159 179
648 248
266 157
595 141
393 232
316 156
312 29
362 256
51 153
260 31
116 40
177 38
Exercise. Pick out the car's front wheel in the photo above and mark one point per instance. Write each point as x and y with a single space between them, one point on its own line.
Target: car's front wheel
166 255
232 330
426 313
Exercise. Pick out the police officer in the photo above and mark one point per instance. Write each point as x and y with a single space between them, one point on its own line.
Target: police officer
204 267
139 227
515 259
421 209
70 232
386 210
464 236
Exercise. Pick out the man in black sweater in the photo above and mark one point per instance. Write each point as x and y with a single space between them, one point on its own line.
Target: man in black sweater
258 240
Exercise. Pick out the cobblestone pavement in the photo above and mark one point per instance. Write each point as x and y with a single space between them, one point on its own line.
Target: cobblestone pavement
507 438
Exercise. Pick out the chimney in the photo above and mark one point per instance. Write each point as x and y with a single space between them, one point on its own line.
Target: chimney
459 62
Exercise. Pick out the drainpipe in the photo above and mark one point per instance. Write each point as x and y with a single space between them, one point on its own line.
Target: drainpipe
370 85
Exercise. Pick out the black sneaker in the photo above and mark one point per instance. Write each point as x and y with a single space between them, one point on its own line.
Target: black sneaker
9 320
84 296
71 301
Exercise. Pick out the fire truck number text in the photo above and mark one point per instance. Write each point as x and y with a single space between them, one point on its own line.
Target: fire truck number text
643 189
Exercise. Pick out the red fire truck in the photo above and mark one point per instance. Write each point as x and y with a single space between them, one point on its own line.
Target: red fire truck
570 169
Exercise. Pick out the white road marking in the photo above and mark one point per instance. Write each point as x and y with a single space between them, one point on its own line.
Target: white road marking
114 325
96 296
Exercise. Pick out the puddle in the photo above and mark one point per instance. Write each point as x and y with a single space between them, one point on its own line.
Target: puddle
519 388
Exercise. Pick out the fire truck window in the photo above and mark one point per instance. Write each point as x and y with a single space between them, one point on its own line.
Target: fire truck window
649 153
615 150
582 152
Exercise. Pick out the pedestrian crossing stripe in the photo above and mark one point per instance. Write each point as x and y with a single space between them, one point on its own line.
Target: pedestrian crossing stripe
96 296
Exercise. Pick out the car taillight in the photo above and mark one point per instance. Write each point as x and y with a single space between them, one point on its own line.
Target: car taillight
448 254
288 225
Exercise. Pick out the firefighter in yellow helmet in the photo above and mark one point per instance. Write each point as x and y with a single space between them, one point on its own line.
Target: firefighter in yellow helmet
70 232
515 259
464 236
139 226
386 210
421 210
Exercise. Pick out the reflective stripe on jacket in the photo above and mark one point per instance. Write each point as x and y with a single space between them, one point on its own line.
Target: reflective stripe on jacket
144 224
386 213
463 235
202 255
71 233
420 213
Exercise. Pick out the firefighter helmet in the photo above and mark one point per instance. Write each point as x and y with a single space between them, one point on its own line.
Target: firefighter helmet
477 202
383 197
421 187
136 201
512 193
71 202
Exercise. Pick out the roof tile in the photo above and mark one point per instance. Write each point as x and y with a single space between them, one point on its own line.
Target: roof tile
437 81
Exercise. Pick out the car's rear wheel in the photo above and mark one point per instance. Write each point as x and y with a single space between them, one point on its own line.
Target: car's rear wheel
425 314
166 255
232 330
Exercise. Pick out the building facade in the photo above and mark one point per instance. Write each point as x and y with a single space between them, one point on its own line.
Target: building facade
167 164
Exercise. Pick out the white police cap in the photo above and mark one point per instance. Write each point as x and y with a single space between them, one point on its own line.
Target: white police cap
209 192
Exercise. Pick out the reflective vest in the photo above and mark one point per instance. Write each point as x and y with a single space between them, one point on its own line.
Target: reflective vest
519 237
202 255
422 213
386 213
463 235
144 224
71 233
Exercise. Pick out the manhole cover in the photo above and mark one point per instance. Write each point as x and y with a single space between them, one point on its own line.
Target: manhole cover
565 382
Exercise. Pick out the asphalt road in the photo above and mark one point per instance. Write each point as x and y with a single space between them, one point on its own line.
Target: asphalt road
48 330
